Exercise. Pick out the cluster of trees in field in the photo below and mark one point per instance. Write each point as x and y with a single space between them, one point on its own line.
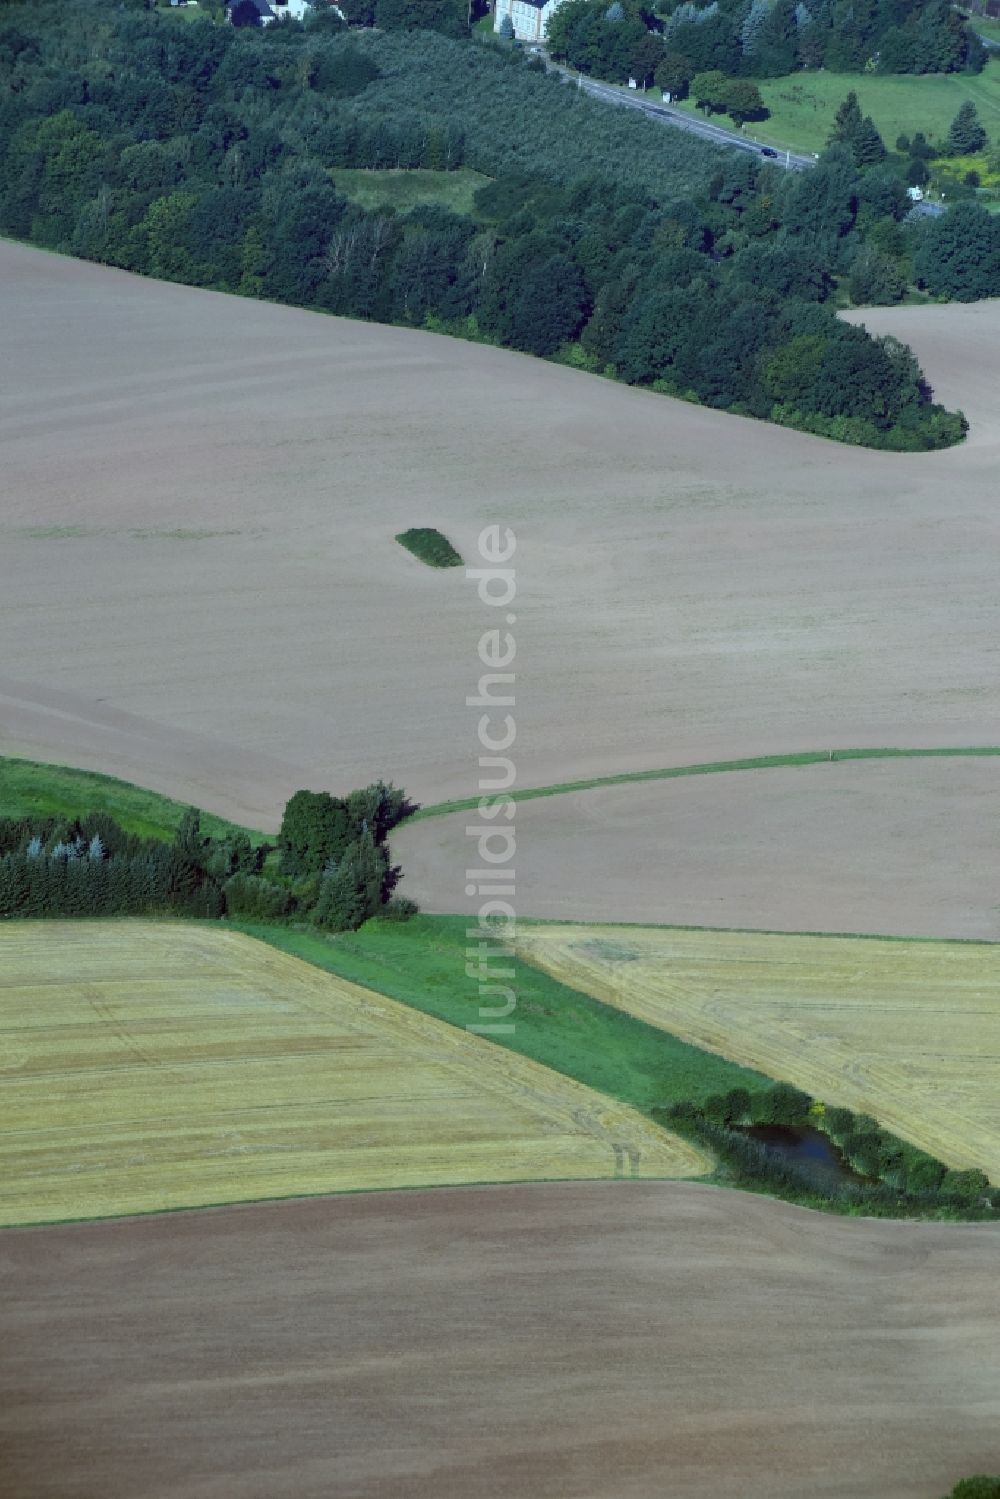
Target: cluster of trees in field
208 155
981 1486
893 1177
675 40
331 867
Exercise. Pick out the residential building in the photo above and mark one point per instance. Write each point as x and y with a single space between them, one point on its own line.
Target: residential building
529 17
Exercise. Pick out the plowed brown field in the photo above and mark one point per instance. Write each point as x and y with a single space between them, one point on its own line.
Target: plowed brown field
613 1341
148 1066
200 590
898 847
907 1031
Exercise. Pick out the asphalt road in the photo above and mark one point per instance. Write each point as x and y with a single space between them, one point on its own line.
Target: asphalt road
681 120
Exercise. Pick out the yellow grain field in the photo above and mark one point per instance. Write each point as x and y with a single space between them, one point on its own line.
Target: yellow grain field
907 1031
150 1065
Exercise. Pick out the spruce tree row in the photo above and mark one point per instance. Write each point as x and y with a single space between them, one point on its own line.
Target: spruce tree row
331 867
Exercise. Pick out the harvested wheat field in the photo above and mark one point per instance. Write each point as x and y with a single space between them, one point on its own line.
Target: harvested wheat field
900 847
634 1340
907 1031
150 1066
200 590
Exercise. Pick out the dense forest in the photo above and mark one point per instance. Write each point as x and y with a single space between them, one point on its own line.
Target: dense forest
210 155
761 38
330 867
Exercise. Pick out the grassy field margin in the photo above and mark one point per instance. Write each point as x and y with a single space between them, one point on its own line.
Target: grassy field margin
422 963
715 767
32 788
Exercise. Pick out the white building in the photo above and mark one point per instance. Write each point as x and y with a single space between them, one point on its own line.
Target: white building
529 17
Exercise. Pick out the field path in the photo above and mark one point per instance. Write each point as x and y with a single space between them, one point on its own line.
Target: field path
608 1341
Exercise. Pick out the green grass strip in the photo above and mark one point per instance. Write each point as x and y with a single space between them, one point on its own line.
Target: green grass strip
422 963
31 789
714 767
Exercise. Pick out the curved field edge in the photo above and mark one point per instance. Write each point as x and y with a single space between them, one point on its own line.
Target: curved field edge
715 767
154 1065
48 790
908 1032
810 1325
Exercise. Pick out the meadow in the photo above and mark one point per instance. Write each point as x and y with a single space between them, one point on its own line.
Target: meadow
155 1066
28 789
906 1031
802 106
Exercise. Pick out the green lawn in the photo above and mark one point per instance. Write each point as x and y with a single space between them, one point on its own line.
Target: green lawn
986 27
402 190
803 105
422 963
27 787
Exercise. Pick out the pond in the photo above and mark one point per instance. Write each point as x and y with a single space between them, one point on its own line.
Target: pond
802 1146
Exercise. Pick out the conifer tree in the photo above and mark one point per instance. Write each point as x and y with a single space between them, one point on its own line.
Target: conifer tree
847 121
966 135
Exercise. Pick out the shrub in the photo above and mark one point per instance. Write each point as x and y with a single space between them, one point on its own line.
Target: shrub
781 1104
924 1175
430 546
838 1123
258 899
399 909
981 1486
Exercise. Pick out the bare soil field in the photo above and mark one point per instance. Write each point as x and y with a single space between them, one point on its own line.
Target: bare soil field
148 1066
906 1031
900 847
200 590
559 1342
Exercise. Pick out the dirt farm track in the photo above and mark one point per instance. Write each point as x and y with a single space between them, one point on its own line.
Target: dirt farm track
640 1341
199 587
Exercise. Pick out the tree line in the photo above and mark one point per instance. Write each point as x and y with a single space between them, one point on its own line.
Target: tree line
891 1177
330 867
210 155
760 39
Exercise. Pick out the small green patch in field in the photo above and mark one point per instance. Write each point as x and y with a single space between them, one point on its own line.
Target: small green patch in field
422 963
402 189
430 546
28 788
